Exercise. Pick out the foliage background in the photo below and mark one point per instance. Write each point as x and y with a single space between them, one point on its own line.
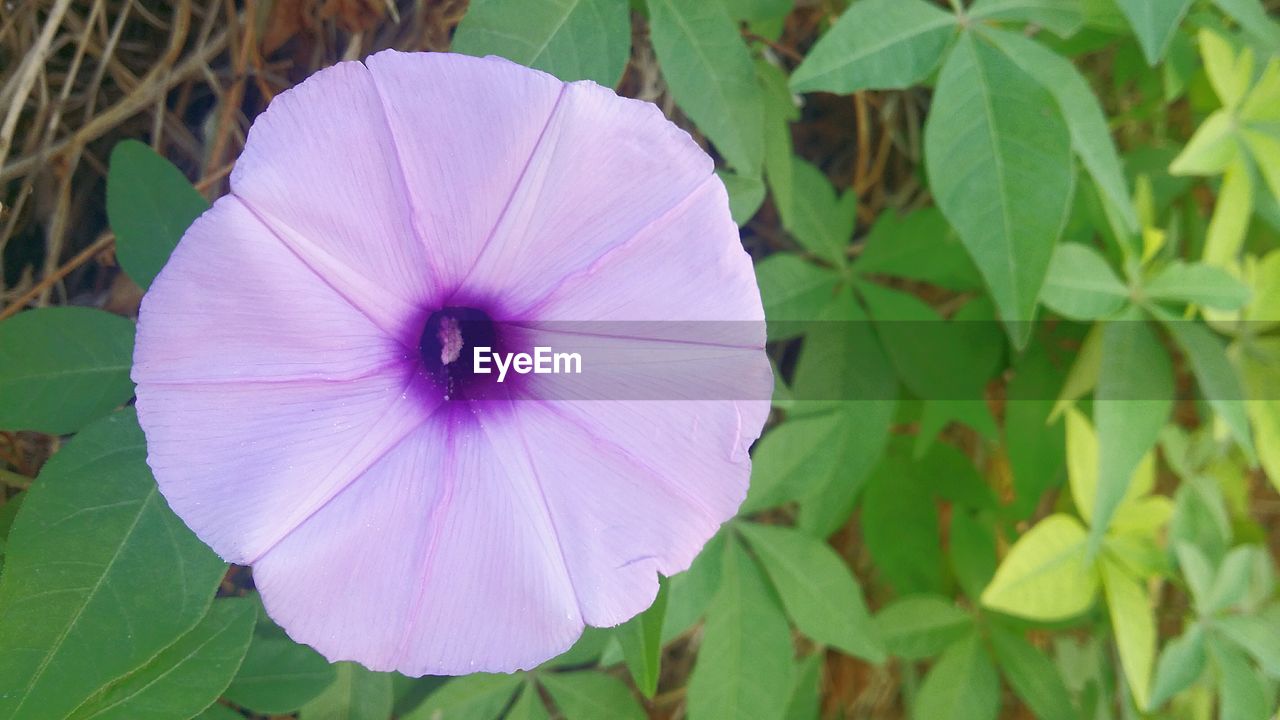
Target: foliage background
968 547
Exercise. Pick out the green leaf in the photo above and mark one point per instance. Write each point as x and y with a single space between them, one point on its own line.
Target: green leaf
1154 22
62 367
921 626
150 204
641 641
1212 148
1082 469
963 685
99 575
1061 17
279 676
900 527
806 691
1046 575
876 44
690 593
355 694
920 245
745 663
779 111
1231 214
1213 372
1253 19
1132 402
479 696
817 589
1256 635
1197 284
1086 122
821 222
219 712
745 195
1241 696
758 10
1081 284
998 155
972 550
571 39
711 76
1181 663
794 292
185 677
1032 676
590 695
528 707
1134 625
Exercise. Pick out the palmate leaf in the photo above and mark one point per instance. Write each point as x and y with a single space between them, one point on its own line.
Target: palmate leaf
479 696
355 694
711 76
1033 676
589 695
99 575
62 367
963 685
998 155
921 626
1133 400
641 641
1061 17
877 44
571 39
1090 134
818 591
1047 574
1134 626
745 663
1154 22
1081 284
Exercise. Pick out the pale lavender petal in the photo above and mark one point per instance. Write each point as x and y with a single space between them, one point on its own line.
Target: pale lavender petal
465 127
234 304
630 493
694 269
440 560
321 168
605 169
245 463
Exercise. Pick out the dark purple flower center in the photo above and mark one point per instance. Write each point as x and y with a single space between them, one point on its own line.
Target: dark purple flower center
447 352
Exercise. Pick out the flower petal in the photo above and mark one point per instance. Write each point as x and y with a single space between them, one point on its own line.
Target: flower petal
694 270
599 170
630 493
234 304
321 169
439 561
466 127
245 464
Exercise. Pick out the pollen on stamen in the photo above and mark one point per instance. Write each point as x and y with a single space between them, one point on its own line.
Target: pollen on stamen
450 337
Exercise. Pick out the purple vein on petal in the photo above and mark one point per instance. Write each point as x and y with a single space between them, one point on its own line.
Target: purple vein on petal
684 494
436 282
358 469
515 189
435 527
542 495
608 254
565 327
386 311
318 382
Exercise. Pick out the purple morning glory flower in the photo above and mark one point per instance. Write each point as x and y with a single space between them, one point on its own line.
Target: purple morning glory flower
304 372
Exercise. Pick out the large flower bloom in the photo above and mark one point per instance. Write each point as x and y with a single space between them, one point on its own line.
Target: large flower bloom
302 363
